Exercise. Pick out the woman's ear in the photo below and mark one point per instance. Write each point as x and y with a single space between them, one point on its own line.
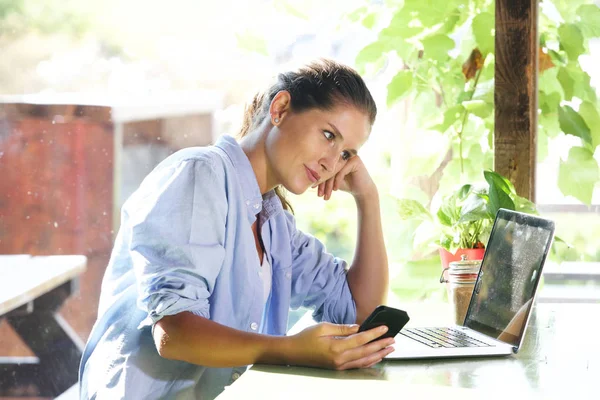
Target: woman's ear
280 106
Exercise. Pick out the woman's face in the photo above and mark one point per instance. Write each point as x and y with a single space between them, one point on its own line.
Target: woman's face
307 148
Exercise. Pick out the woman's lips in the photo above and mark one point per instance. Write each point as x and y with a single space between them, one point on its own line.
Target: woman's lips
313 176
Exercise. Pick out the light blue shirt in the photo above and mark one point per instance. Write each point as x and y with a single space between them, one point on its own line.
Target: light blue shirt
186 244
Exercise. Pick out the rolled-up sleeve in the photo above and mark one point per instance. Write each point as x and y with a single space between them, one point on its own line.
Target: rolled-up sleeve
319 279
177 238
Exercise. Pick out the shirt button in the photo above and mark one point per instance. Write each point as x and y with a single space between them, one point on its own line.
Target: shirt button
235 376
288 275
257 206
254 326
247 202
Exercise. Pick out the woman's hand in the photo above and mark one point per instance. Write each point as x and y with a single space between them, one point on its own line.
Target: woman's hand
353 178
339 347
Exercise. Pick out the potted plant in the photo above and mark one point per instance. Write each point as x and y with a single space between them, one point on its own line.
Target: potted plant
462 220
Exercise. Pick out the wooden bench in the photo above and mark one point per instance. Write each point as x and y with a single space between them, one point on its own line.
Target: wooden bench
32 290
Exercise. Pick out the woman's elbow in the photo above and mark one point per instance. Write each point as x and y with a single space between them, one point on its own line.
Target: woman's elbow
163 340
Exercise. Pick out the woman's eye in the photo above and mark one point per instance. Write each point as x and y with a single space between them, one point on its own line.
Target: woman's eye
346 155
328 135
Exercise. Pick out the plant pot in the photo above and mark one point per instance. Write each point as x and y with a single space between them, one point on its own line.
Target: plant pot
447 257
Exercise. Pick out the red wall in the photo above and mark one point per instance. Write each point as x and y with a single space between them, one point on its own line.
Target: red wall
56 196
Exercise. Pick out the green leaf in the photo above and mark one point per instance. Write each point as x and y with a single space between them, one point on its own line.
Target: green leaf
369 21
429 12
464 191
578 174
549 102
436 47
451 115
571 123
478 107
549 124
451 22
571 40
566 82
464 95
589 23
399 86
549 83
498 199
589 113
582 88
478 157
483 24
499 190
412 209
444 218
401 26
473 209
557 58
495 179
251 42
371 53
357 14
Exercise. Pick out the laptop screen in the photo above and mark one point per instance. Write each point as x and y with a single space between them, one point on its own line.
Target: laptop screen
509 275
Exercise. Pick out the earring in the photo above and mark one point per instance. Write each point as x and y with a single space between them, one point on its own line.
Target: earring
276 120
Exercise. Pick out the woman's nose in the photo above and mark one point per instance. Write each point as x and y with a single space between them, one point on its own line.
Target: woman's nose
329 161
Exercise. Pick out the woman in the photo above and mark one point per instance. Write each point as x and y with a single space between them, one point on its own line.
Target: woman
208 259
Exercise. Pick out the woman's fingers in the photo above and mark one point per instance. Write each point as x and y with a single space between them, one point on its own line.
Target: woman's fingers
328 188
341 346
365 337
342 180
368 355
337 330
341 175
321 189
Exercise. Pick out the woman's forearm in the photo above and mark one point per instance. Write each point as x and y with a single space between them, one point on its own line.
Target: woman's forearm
368 276
190 338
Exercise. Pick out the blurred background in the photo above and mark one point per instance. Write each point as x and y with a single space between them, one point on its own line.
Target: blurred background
107 89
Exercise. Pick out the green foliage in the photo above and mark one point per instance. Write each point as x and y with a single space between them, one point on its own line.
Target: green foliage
19 17
589 20
574 179
571 40
437 47
483 24
446 75
571 123
8 7
465 216
399 86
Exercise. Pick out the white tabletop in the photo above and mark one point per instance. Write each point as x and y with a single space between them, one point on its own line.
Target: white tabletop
24 278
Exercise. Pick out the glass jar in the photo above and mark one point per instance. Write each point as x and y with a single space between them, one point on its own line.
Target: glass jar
459 285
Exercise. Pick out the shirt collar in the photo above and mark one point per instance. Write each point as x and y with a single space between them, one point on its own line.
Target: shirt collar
250 190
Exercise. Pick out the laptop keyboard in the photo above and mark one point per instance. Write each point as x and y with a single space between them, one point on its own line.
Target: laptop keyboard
442 337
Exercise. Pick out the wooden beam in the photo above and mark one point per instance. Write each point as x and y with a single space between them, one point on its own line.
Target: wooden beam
515 93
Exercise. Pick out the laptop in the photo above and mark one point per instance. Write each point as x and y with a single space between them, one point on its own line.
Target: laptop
502 299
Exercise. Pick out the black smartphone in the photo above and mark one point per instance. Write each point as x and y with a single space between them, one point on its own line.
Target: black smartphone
393 318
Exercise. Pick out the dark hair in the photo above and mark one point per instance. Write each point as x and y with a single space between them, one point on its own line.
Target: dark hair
322 84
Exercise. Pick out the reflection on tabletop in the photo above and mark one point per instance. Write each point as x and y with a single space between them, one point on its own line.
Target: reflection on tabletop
556 361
